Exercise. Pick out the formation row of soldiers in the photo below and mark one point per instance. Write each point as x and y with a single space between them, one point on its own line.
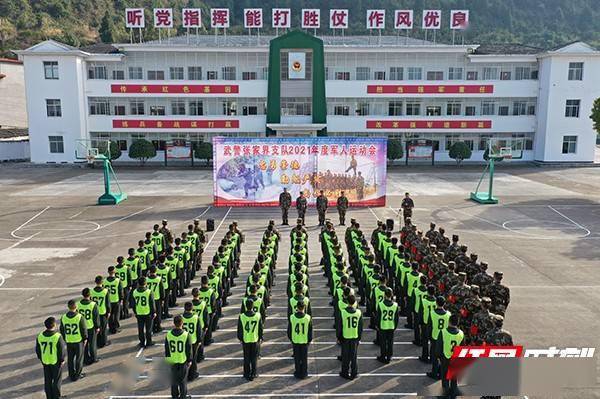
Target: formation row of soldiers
148 283
322 203
257 298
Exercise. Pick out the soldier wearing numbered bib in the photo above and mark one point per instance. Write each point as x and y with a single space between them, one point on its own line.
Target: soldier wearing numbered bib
49 348
142 303
250 333
74 332
124 274
115 296
178 353
387 316
191 324
100 295
439 322
450 337
300 332
89 311
349 334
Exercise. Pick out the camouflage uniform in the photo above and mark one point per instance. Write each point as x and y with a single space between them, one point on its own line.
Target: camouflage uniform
301 205
471 306
447 281
432 234
472 268
453 249
321 208
461 259
498 336
499 294
342 207
482 279
482 323
285 202
458 294
164 230
442 241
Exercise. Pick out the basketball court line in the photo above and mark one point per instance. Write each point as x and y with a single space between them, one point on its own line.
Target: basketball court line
572 221
12 233
125 217
272 395
218 227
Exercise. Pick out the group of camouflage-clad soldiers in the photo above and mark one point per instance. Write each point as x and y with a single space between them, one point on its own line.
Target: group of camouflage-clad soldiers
322 203
148 282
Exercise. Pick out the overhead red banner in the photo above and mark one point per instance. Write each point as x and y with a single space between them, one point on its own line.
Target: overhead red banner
391 124
430 89
175 124
175 89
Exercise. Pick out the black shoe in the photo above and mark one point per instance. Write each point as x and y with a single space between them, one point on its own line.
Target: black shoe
381 359
418 343
431 375
141 345
353 376
339 358
150 344
346 376
81 375
424 359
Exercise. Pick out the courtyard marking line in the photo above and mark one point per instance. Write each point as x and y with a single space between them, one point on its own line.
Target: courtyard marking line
125 217
12 233
374 214
79 213
314 357
271 395
572 221
23 240
218 227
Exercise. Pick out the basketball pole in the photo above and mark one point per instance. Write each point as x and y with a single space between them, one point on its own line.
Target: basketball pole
482 197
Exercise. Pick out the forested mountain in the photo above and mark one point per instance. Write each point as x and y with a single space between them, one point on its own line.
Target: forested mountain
541 23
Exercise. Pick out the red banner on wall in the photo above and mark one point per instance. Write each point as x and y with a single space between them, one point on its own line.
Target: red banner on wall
430 89
175 89
391 124
175 124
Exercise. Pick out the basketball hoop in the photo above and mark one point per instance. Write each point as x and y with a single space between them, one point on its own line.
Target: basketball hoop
90 159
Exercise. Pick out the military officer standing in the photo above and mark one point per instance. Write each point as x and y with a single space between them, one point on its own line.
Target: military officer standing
285 201
499 294
342 207
50 351
407 206
321 207
301 205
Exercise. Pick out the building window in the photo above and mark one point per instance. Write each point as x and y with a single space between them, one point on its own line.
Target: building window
575 72
136 73
455 73
159 145
484 142
249 110
451 139
118 75
453 109
194 73
97 72
136 107
395 108
379 75
156 75
248 75
157 110
363 73
433 110
342 76
296 106
519 108
569 145
503 110
530 109
341 110
119 110
414 73
413 109
362 109
522 73
122 144
212 75
57 145
490 73
176 73
470 110
99 107
572 108
196 108
53 108
178 107
472 75
488 108
534 75
396 73
435 75
228 73
229 107
51 69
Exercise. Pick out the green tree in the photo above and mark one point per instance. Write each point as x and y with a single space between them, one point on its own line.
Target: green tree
115 151
394 149
595 116
204 150
106 29
142 150
460 151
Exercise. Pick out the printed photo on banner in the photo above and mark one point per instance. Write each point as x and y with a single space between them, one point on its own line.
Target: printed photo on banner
254 171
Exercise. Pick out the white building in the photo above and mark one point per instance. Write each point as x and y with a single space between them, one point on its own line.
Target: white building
13 112
187 89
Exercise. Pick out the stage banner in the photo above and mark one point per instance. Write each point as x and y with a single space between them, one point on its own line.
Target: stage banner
254 171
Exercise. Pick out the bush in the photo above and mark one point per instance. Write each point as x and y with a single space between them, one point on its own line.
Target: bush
142 150
394 149
204 150
460 151
115 151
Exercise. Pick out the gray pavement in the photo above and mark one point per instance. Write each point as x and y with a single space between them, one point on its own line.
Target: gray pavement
544 236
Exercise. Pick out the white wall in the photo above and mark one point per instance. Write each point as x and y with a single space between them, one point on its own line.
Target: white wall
69 88
14 150
13 111
555 89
